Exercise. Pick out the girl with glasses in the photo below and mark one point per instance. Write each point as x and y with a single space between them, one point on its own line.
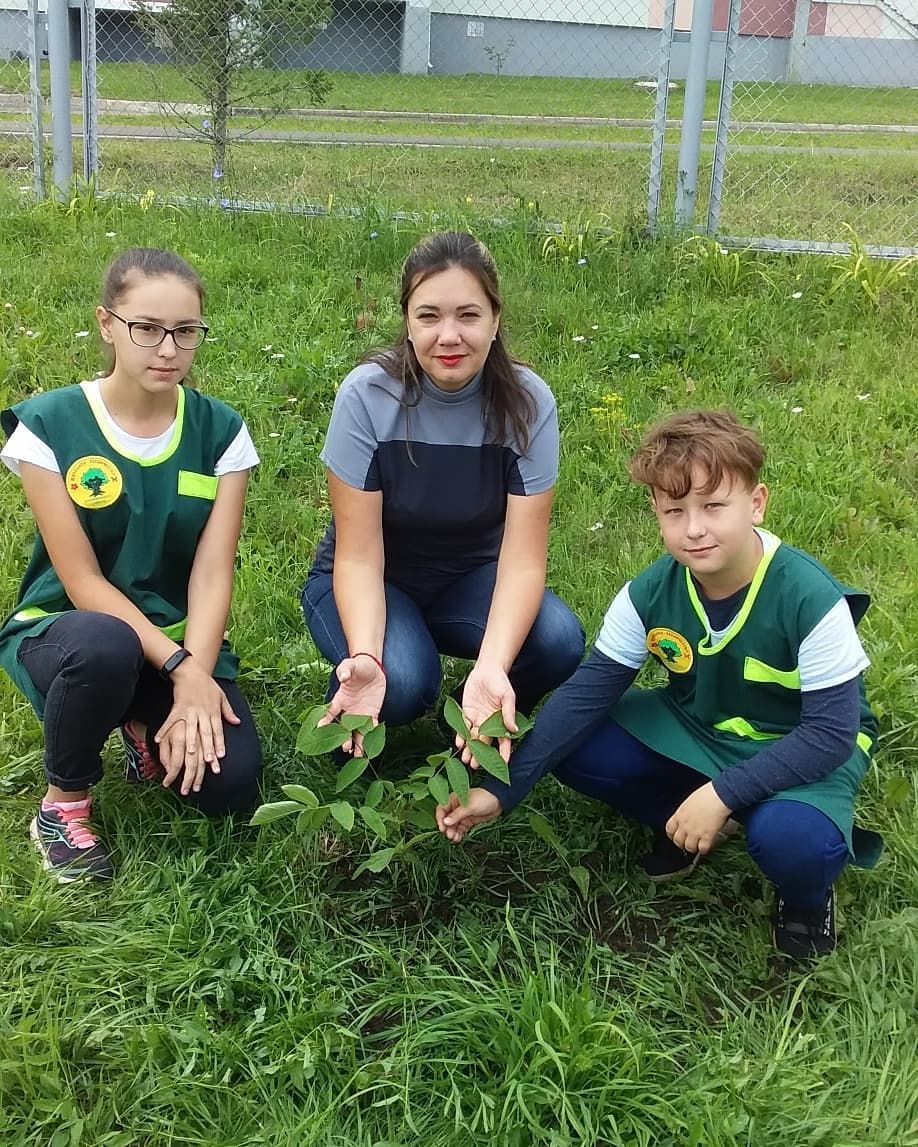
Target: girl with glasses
137 484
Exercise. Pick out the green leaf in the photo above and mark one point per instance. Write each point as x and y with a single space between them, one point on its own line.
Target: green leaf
312 818
422 818
313 716
454 718
373 821
490 760
495 727
543 829
316 742
375 793
302 794
458 778
438 787
374 741
355 768
377 861
581 878
438 759
265 813
355 722
896 791
343 814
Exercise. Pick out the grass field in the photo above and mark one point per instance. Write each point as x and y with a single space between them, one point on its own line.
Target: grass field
235 986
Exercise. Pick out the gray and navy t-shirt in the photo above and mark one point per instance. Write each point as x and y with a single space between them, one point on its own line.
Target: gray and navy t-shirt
443 479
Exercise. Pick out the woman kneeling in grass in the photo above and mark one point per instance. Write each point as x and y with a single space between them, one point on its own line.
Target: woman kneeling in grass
764 718
137 484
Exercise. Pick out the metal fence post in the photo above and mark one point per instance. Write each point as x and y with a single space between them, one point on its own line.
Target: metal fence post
693 112
36 103
724 111
659 120
59 64
90 109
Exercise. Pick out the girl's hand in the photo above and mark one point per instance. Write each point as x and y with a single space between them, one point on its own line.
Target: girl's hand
362 691
696 823
454 819
191 737
487 689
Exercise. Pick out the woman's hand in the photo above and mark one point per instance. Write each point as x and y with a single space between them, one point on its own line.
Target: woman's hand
361 691
191 737
454 819
487 689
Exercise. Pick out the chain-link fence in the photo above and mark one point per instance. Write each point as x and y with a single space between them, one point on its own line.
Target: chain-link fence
821 102
22 49
555 109
539 106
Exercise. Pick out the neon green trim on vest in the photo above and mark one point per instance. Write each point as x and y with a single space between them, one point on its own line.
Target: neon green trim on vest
705 648
100 414
176 631
740 727
197 485
755 670
864 743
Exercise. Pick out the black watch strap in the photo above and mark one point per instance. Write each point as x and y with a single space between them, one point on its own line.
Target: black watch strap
172 663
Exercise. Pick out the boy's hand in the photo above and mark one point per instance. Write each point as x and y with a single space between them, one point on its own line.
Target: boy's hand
455 819
697 821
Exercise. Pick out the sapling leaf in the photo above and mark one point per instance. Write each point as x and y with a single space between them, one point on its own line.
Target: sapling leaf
374 741
354 768
439 788
458 779
495 727
490 760
302 794
373 821
376 861
375 793
355 722
454 718
315 742
343 812
265 813
422 818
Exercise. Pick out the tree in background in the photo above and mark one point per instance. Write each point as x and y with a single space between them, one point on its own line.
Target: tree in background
229 51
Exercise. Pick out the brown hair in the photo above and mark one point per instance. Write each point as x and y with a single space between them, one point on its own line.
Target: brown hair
714 442
508 404
143 263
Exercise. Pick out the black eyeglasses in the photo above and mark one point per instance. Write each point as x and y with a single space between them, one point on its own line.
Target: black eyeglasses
187 337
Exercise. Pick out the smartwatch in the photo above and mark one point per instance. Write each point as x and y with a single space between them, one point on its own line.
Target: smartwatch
172 663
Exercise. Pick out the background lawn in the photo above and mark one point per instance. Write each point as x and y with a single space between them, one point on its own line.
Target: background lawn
235 985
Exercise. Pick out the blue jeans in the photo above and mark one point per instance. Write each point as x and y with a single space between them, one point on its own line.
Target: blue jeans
91 671
454 624
795 845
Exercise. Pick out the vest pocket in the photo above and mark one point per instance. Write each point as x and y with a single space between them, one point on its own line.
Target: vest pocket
755 670
197 485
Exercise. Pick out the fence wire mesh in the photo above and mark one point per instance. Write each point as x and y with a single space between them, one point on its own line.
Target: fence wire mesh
487 106
21 104
823 122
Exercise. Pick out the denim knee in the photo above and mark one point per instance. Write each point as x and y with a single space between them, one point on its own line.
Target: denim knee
412 687
555 645
794 844
107 651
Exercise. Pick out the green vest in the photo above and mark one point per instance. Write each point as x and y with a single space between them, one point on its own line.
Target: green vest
143 518
724 701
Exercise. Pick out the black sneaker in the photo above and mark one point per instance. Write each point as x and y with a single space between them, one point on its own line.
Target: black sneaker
804 934
139 764
69 849
667 861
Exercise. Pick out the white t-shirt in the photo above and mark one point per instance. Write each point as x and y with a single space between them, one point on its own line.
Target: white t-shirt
829 655
24 446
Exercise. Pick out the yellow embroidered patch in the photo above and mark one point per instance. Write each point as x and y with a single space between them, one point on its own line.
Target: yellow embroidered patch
671 648
93 482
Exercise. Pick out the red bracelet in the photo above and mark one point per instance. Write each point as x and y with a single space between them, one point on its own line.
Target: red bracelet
372 657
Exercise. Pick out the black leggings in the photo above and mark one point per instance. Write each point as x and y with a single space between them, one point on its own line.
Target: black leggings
91 670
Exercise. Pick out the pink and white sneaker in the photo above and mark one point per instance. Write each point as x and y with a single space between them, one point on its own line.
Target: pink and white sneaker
69 849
